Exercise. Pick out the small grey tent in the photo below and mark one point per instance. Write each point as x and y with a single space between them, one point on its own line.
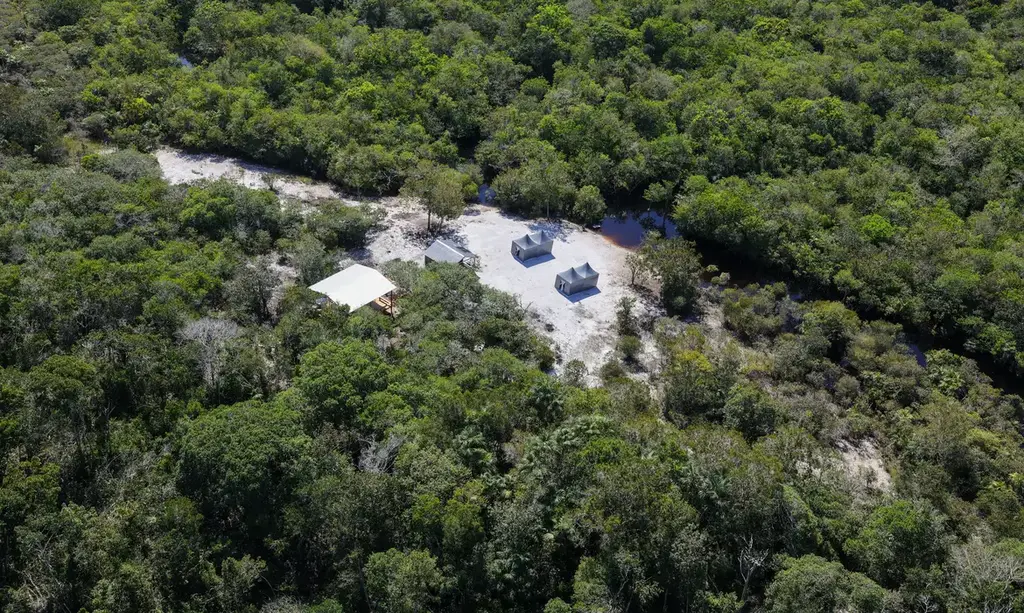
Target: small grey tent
532 245
447 251
576 279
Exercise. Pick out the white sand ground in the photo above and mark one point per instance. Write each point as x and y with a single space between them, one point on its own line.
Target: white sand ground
582 327
181 167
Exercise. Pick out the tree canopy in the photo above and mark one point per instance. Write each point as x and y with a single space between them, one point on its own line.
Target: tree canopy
184 427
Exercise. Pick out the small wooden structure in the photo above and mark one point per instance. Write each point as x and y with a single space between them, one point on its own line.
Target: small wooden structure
446 251
387 303
358 286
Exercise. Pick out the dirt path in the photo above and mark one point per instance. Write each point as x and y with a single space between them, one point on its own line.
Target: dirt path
181 167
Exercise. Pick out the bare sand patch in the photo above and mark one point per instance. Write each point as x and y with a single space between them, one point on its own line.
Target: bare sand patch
181 167
582 326
863 464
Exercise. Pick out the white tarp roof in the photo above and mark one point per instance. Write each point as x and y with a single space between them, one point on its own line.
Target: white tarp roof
355 286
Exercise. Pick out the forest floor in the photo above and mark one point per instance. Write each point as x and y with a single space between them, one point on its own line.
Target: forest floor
581 327
864 465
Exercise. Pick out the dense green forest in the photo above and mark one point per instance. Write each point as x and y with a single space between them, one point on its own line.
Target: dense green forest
869 151
185 428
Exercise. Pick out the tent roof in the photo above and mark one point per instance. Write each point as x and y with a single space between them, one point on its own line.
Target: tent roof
583 271
531 240
355 286
445 251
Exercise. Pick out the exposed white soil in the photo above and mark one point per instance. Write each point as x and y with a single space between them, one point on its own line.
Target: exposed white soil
180 167
863 463
582 327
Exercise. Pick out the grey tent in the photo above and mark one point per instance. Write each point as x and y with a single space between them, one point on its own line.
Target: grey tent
446 251
532 245
576 279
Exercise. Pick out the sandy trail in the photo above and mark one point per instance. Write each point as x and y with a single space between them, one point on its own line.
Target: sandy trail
181 167
582 327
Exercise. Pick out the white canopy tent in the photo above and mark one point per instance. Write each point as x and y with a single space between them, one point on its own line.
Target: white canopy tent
355 286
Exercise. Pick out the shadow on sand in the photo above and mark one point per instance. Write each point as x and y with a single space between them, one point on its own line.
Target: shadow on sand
554 228
581 296
537 261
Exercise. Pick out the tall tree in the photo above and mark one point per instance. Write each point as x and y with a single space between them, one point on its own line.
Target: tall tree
676 266
439 188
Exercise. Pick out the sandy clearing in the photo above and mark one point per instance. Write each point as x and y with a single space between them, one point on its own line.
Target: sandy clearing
181 167
582 327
